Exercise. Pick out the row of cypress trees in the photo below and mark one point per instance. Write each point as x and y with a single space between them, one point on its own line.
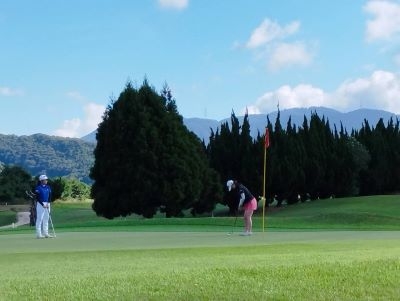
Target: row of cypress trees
312 160
146 159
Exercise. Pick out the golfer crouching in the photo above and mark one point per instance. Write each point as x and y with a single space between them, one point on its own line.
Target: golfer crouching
246 201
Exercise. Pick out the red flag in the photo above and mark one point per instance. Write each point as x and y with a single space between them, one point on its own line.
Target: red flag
266 138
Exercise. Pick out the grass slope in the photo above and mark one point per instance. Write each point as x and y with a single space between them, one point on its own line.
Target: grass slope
371 212
361 213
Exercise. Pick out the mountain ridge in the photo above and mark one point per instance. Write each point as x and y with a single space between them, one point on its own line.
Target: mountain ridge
55 156
350 120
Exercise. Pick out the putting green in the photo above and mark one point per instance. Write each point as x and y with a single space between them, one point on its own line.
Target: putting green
279 265
98 241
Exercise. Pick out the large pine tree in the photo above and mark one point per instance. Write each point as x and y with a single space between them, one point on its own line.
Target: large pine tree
146 159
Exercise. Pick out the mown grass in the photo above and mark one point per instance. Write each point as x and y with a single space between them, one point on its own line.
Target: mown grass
7 217
309 251
318 269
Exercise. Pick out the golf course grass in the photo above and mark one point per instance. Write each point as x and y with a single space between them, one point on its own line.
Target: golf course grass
340 249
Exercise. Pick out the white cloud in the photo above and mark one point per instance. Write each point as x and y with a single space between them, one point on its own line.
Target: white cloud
70 128
288 97
269 44
174 4
6 91
269 31
381 90
284 55
385 21
93 116
77 128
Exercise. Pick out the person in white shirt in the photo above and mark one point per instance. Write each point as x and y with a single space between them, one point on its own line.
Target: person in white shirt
43 199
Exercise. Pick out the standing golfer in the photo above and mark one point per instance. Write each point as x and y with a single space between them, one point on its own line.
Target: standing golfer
247 201
43 197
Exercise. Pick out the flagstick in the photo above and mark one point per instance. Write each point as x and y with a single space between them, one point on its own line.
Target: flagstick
266 145
265 160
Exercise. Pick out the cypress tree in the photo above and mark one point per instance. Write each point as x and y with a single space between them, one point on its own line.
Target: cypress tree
147 160
249 169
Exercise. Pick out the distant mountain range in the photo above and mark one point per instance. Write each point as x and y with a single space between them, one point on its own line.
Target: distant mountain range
350 120
58 156
55 156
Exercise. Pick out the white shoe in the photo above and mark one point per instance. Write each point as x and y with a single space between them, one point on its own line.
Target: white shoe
48 236
246 233
39 236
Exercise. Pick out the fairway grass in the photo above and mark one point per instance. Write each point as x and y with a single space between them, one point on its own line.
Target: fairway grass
284 265
334 249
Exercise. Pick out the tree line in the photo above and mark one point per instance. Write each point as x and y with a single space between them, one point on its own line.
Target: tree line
312 160
146 160
15 181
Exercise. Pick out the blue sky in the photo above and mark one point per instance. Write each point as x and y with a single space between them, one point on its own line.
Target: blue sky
61 61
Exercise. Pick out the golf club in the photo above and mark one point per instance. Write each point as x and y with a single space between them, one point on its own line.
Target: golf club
234 224
51 223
